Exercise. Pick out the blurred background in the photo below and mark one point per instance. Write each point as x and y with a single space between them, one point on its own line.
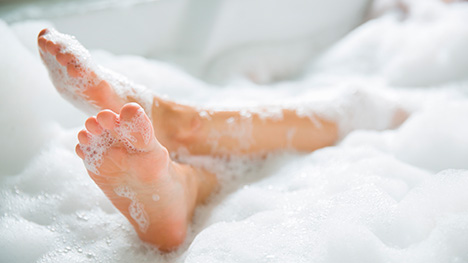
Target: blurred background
215 40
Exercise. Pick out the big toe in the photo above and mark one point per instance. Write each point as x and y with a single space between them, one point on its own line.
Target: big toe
41 40
135 125
45 44
129 111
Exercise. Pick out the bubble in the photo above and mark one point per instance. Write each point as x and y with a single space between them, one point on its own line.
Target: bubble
136 209
155 197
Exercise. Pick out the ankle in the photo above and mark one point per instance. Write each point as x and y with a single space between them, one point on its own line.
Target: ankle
176 125
207 184
199 184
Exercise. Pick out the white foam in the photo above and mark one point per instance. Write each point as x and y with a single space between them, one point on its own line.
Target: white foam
138 124
100 144
359 108
72 88
238 130
136 208
96 149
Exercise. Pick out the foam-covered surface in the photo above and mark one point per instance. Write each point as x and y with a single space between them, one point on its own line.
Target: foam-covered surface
377 196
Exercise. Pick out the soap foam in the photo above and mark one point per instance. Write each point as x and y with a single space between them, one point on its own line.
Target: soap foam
138 124
100 144
136 208
73 89
96 149
238 129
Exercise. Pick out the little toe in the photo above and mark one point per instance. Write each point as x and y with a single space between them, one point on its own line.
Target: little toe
42 42
93 126
79 152
83 137
107 119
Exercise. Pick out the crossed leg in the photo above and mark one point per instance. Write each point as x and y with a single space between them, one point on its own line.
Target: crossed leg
125 148
200 131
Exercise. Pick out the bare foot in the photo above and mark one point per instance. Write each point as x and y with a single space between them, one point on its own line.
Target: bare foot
91 88
82 82
157 195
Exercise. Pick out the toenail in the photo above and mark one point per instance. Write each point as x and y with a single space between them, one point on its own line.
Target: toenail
43 32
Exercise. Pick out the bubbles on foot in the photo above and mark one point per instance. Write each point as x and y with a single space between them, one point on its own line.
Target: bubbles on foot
125 131
95 150
136 208
138 124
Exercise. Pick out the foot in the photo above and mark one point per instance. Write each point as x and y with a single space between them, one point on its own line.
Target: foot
82 82
124 158
92 88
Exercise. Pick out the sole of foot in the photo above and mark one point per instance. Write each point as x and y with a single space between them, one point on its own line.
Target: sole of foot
134 170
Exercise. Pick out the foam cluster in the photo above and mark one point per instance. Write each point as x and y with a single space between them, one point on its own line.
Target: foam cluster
136 208
91 74
96 149
138 124
359 108
69 87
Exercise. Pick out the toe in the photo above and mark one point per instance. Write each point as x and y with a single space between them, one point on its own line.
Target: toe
129 110
83 137
93 126
140 130
64 58
79 152
42 42
107 119
52 47
43 32
74 70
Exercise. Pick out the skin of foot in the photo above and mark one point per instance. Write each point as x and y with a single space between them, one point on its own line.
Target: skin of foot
92 88
75 75
156 195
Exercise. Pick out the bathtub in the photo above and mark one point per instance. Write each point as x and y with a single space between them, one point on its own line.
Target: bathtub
378 195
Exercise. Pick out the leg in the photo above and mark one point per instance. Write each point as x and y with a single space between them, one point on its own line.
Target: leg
124 154
124 158
93 88
197 131
205 132
241 132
